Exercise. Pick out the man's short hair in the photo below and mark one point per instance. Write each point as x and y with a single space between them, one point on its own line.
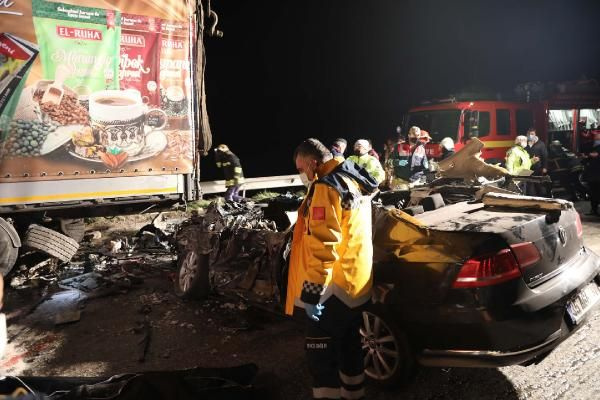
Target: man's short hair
341 141
532 129
313 148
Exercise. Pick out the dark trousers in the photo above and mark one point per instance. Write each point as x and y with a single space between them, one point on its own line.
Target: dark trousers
334 351
232 193
594 188
536 189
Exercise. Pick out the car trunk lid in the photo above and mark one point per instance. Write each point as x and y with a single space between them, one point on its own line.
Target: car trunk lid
556 234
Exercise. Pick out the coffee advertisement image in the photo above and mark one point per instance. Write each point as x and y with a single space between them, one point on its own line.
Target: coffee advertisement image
97 87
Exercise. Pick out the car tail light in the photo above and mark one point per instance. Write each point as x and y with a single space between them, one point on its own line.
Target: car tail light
578 225
526 254
488 270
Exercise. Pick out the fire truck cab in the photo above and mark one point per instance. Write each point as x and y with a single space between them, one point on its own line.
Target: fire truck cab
496 123
568 112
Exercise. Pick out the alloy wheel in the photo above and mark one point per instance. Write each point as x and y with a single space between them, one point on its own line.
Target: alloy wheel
381 348
188 271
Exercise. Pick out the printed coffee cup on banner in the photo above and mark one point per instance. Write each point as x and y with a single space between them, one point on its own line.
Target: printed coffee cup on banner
174 99
120 120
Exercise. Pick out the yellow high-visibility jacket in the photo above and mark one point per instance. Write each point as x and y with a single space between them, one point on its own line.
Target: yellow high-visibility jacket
332 249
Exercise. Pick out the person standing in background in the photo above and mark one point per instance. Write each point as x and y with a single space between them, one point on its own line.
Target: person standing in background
338 147
372 151
591 175
447 147
232 169
517 158
362 158
409 161
539 159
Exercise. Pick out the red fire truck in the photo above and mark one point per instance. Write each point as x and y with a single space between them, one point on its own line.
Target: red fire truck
568 112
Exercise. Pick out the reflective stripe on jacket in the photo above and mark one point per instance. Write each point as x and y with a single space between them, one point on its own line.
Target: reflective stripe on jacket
332 249
371 164
232 168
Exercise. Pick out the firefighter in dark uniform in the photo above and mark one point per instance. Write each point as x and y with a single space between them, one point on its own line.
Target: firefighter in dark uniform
591 175
539 157
234 175
330 276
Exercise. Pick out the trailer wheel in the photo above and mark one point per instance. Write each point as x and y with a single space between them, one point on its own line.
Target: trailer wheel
192 280
50 242
74 228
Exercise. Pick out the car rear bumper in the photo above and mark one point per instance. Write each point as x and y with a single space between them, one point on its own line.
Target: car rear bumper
493 359
540 309
485 358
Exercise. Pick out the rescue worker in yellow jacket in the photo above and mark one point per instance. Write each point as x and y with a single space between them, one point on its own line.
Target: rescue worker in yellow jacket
330 273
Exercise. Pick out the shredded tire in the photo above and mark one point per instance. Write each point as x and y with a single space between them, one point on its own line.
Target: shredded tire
50 242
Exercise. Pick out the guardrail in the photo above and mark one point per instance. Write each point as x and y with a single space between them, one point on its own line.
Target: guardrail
264 182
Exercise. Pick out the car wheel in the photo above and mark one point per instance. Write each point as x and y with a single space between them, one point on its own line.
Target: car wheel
50 242
74 228
192 275
388 358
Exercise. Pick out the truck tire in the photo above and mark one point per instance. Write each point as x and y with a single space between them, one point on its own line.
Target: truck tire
9 247
74 228
50 242
192 279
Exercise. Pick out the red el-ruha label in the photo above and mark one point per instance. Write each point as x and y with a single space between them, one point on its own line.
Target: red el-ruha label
139 56
78 33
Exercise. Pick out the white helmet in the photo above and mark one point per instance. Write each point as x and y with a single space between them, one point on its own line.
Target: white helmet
447 143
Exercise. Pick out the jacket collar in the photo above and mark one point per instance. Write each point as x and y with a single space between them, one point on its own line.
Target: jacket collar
326 168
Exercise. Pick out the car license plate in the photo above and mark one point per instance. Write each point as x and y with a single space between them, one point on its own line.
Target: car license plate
579 305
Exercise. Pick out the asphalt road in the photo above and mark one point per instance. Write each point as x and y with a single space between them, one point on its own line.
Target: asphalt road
221 333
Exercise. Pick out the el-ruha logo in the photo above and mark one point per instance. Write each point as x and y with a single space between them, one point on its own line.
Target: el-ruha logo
78 33
172 44
133 40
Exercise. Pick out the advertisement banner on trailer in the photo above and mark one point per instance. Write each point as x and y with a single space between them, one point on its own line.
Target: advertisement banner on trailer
95 87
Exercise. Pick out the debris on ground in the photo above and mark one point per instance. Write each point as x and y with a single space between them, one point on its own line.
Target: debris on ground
223 383
143 328
59 308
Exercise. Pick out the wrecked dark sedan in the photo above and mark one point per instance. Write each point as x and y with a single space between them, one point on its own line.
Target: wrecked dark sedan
473 284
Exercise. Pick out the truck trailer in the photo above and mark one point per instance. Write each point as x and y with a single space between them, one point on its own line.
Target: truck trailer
102 113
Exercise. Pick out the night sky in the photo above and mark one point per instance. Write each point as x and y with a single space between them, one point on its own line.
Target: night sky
287 70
